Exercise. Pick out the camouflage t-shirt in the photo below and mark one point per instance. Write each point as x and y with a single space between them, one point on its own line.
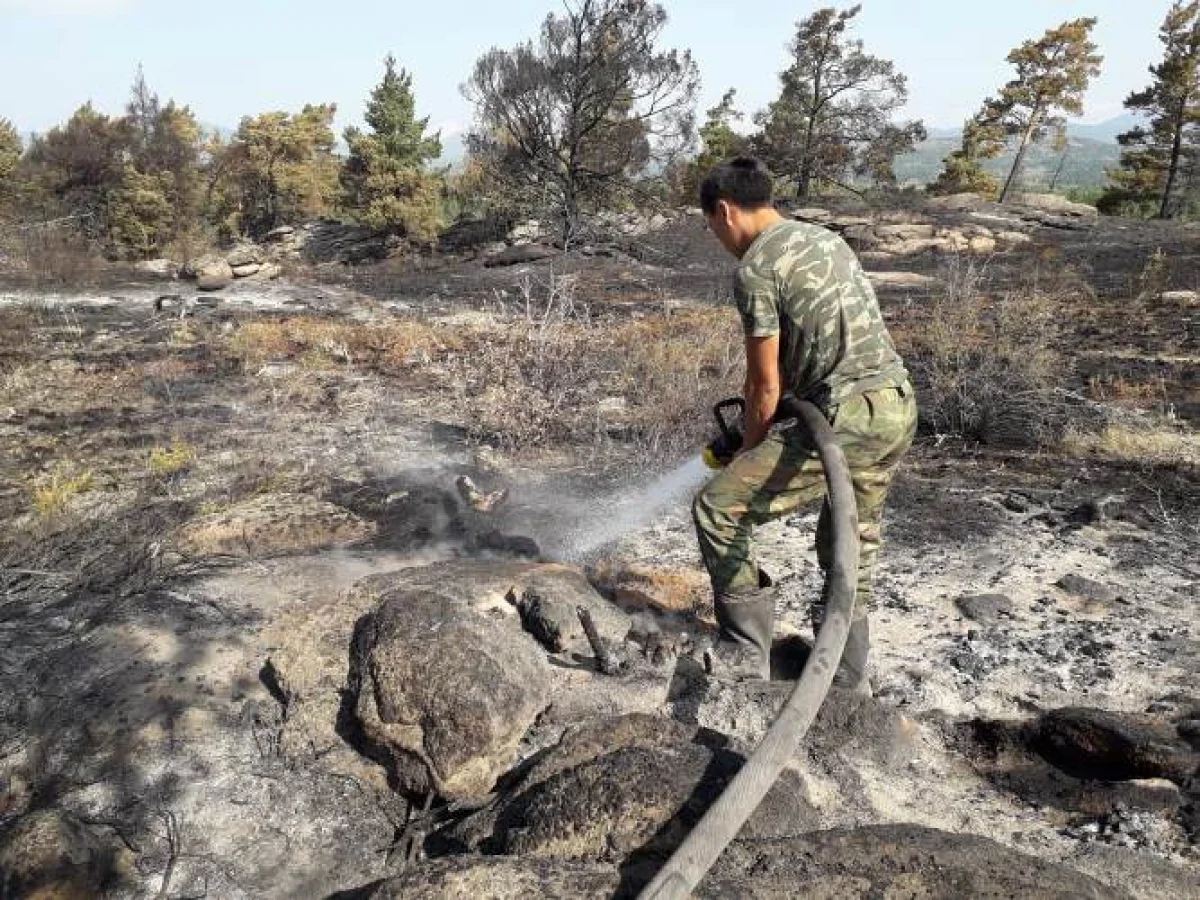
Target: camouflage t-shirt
804 283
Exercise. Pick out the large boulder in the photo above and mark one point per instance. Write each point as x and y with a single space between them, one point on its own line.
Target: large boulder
617 787
273 523
445 690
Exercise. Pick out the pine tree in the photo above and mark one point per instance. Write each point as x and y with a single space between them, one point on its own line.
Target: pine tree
961 170
10 155
1162 159
833 114
385 181
1053 73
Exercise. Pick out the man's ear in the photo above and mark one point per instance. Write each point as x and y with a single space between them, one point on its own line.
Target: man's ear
725 212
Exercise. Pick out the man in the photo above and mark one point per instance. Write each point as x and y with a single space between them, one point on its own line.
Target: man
812 328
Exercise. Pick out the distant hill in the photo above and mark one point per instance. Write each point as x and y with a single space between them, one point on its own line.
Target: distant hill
1092 149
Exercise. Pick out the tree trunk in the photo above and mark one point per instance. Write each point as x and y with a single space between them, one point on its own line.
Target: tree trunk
1016 166
1164 208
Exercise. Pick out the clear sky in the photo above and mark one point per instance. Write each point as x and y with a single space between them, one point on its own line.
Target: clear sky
227 59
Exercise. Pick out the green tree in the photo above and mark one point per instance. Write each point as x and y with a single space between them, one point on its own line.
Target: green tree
833 114
385 180
718 141
75 170
159 200
1053 74
569 123
10 154
961 170
278 168
1162 158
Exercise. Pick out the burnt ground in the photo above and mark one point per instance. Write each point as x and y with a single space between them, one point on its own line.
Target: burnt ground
120 422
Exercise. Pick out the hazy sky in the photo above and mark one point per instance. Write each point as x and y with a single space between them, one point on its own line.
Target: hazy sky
228 59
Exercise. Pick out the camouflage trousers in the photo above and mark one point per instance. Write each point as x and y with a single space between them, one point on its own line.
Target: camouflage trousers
783 473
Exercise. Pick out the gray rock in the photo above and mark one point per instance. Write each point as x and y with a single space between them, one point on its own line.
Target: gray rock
244 255
1087 588
904 231
501 878
614 787
893 861
214 276
986 609
522 253
1111 746
246 270
445 690
551 620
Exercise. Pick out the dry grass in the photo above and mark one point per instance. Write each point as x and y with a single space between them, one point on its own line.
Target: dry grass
52 493
320 344
1155 446
553 373
985 364
167 461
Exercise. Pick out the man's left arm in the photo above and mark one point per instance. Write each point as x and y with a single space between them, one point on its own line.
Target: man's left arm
762 388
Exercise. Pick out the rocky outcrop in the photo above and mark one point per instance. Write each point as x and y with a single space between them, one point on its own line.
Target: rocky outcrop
1055 205
616 787
273 523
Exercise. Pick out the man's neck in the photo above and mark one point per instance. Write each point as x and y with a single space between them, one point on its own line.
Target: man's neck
757 222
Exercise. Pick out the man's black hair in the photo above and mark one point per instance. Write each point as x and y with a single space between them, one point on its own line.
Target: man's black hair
743 181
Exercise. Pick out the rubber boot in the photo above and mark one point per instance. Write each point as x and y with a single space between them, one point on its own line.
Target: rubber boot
746 622
851 674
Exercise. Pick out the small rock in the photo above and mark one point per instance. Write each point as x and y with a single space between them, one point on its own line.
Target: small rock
244 255
214 276
1087 588
551 621
245 270
986 609
982 246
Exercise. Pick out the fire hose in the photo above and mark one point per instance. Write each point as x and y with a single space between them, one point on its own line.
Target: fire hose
725 818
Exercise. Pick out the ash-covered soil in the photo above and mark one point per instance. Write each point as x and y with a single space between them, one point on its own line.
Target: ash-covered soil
190 493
